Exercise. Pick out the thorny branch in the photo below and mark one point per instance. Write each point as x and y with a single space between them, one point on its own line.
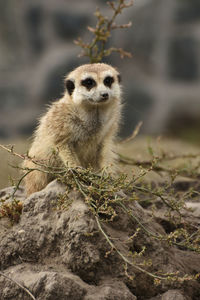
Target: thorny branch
96 50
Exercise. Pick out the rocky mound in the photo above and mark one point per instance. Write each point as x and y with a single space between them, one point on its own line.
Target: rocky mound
62 254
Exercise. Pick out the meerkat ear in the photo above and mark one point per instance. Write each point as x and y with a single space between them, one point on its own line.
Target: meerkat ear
70 86
119 78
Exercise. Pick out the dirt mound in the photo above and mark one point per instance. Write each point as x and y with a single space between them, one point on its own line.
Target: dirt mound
62 254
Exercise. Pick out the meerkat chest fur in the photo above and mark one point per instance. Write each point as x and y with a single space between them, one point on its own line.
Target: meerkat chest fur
93 130
92 123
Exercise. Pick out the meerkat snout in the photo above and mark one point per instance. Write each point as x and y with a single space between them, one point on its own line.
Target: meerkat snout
80 128
104 96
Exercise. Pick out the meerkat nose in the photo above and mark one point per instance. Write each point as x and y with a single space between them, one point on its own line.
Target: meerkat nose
104 96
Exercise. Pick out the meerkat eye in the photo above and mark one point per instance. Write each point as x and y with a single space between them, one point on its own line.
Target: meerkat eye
89 83
108 81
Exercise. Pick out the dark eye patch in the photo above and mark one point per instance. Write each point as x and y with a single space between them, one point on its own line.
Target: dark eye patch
89 83
108 81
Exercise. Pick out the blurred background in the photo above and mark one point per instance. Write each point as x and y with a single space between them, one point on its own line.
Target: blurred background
161 83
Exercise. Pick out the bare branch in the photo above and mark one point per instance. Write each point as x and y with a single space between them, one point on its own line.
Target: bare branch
123 26
134 134
96 49
11 150
17 283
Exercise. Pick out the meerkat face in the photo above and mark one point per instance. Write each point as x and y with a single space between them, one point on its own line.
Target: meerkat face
94 84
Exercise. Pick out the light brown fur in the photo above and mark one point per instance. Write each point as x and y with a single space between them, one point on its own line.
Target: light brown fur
81 133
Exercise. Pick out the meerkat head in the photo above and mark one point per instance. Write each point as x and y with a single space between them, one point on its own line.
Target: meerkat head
93 84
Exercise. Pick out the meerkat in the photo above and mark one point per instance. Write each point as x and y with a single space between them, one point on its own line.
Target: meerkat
80 127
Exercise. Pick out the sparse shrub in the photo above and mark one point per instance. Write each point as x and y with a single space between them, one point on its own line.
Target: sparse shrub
12 210
96 49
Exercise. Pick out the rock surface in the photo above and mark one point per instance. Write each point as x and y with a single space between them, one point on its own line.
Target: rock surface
61 254
170 295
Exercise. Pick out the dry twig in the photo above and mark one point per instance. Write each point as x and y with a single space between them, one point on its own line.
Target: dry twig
96 50
17 283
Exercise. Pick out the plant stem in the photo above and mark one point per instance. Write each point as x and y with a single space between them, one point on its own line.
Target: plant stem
17 283
123 257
